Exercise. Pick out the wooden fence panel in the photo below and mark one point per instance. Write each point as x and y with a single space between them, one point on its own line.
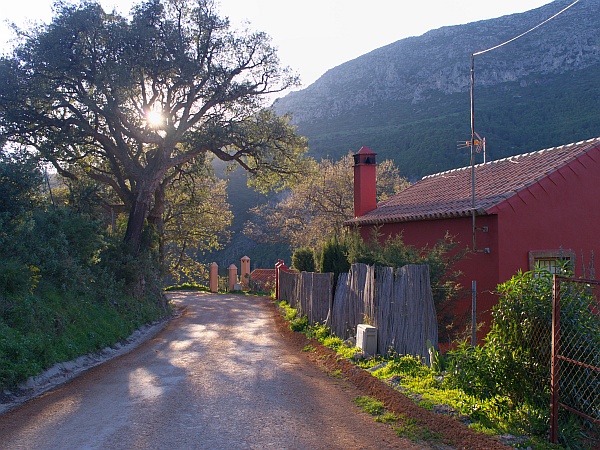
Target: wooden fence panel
383 303
322 297
408 317
399 303
287 287
338 321
353 300
310 293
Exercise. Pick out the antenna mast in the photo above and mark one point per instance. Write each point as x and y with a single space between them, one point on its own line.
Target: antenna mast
473 134
473 149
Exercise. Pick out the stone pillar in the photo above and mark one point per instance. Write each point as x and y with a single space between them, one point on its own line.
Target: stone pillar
232 277
245 272
214 277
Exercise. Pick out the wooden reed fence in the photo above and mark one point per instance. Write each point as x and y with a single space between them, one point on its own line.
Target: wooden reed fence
398 302
405 312
311 293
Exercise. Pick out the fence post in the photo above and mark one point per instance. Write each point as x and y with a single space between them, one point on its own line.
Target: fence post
245 271
232 277
554 370
279 266
473 313
214 277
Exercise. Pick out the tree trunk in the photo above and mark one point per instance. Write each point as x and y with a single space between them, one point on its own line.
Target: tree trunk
156 218
135 223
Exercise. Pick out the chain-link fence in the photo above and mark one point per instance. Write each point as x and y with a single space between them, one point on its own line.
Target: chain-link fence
575 380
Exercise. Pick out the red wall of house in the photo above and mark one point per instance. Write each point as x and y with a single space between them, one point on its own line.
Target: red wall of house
482 267
559 212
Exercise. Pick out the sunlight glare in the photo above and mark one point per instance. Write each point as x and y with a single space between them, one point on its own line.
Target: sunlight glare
154 119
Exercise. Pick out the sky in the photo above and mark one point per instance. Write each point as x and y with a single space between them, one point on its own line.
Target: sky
313 36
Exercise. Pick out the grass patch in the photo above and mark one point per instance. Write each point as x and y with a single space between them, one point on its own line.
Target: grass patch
308 349
386 417
369 405
336 374
409 428
37 331
297 323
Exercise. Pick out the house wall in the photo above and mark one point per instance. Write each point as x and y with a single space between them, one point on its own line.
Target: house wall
482 267
560 212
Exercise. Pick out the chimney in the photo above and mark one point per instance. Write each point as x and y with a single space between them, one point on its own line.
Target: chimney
365 184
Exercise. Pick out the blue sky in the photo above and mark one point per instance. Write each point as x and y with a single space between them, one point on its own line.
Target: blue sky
316 35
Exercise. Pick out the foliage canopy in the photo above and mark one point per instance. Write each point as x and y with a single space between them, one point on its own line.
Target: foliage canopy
317 206
131 101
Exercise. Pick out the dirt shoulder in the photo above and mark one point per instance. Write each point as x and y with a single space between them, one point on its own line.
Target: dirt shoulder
455 433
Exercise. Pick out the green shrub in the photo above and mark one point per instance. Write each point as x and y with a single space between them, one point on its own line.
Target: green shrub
299 324
513 366
303 260
333 257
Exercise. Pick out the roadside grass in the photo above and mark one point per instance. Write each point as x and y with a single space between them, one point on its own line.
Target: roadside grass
188 287
429 389
402 425
51 326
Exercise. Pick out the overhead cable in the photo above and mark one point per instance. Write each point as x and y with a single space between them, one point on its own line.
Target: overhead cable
528 31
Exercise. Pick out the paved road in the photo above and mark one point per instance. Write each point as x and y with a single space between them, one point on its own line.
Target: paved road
217 377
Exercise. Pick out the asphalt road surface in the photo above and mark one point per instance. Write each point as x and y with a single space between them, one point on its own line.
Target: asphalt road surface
219 376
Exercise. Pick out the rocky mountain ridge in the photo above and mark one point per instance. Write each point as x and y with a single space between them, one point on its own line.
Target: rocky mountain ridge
412 70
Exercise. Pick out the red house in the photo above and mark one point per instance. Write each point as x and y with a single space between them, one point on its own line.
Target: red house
530 209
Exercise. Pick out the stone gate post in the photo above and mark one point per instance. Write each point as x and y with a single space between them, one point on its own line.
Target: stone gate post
232 277
245 272
214 277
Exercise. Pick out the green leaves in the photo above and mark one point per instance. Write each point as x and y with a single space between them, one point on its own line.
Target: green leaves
80 89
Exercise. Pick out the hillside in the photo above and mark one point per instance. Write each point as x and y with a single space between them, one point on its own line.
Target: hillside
409 101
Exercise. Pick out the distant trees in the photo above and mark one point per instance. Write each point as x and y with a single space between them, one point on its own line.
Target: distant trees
132 103
196 218
317 206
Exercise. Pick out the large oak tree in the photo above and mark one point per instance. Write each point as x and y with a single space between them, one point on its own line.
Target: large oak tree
133 100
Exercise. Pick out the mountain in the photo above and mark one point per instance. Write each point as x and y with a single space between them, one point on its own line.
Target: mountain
409 101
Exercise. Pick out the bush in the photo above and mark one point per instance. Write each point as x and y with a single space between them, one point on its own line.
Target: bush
515 360
66 289
303 260
514 363
334 258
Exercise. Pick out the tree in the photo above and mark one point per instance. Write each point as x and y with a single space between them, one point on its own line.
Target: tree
195 220
20 182
318 206
334 257
132 101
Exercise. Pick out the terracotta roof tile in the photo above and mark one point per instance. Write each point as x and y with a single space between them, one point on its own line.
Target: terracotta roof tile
263 277
448 194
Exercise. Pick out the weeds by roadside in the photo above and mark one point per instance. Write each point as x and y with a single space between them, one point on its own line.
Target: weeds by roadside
402 425
430 390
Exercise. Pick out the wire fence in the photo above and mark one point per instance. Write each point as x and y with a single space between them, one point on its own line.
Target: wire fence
575 366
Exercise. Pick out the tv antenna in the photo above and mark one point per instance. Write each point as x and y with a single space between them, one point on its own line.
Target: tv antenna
479 146
476 140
